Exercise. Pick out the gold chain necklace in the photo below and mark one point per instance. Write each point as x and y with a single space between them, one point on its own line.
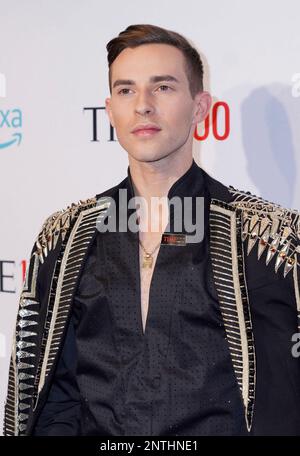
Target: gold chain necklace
148 258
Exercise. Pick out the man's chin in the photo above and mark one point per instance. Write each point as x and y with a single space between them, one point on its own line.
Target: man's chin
149 157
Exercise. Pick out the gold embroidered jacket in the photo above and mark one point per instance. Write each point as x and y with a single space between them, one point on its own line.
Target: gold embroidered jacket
239 222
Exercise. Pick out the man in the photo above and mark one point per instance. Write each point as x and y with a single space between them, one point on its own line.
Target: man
124 332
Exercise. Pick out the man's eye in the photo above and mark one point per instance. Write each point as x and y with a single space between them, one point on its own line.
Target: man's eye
122 91
165 86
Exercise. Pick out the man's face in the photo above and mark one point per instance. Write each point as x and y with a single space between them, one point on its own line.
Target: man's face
165 103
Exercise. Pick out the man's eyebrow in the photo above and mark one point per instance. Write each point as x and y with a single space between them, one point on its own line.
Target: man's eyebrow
153 79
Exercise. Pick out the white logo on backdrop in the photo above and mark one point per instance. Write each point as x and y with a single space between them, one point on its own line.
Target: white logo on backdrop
2 85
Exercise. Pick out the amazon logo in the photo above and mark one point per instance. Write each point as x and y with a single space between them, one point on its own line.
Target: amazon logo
10 120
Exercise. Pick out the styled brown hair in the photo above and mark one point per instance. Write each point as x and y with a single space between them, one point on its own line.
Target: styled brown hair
138 34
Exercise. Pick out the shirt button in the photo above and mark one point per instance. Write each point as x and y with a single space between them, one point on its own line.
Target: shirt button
156 381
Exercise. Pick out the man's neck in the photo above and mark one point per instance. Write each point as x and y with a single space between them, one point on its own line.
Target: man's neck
154 179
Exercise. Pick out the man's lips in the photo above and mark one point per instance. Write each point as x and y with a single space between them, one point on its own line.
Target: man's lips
146 132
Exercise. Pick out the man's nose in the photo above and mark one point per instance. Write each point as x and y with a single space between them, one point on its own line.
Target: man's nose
144 104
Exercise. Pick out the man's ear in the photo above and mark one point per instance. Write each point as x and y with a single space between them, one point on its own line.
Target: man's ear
203 102
109 111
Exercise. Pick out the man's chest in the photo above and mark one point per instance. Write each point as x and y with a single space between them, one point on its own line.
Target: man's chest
149 246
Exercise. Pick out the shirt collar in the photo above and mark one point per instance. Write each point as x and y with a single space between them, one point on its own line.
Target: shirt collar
191 183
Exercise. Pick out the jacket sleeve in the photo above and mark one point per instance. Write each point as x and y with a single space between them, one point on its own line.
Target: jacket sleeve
61 412
24 344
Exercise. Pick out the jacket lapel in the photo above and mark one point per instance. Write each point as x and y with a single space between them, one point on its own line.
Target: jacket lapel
64 282
227 256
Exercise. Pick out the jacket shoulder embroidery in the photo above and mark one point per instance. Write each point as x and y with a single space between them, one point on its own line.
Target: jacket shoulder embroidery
269 226
57 225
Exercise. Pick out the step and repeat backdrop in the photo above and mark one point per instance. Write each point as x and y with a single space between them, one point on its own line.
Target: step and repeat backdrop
56 142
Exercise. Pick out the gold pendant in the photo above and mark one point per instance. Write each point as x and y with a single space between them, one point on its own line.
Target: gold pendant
147 261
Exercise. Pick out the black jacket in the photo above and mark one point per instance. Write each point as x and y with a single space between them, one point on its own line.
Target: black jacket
254 246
